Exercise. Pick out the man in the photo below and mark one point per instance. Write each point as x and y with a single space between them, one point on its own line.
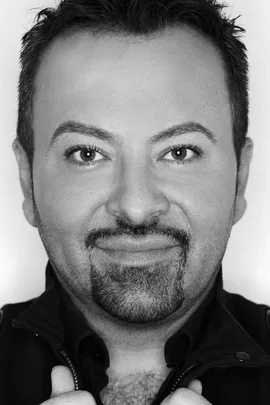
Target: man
133 158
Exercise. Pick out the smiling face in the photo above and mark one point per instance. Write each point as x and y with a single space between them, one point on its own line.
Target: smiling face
131 186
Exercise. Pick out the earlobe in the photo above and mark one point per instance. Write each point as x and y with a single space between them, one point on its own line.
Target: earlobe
242 179
26 182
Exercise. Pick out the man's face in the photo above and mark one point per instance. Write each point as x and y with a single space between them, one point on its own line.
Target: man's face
132 188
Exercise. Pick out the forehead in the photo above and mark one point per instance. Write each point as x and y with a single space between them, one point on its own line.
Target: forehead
176 74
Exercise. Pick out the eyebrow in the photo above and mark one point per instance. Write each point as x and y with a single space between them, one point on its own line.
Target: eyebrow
113 139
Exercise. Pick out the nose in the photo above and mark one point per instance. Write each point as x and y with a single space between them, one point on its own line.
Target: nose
137 197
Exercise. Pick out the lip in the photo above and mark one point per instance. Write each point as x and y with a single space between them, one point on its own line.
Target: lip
138 257
139 245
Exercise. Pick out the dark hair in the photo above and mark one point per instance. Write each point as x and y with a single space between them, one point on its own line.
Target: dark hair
135 18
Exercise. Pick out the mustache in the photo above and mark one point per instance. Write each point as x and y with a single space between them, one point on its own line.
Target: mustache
123 228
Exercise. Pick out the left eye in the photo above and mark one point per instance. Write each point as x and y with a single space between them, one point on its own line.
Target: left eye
182 153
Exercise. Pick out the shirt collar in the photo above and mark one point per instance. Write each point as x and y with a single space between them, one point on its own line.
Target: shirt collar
187 338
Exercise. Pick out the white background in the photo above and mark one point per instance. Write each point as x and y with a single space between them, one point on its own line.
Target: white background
23 258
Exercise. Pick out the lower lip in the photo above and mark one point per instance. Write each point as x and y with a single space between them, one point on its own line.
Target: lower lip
139 257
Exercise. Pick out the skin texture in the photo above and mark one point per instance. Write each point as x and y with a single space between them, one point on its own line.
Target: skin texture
134 88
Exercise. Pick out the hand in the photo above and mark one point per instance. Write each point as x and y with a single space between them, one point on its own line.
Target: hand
192 395
63 390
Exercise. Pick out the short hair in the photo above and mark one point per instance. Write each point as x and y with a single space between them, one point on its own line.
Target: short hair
139 18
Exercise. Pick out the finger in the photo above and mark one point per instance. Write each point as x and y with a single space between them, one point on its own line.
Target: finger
62 381
72 398
196 386
184 396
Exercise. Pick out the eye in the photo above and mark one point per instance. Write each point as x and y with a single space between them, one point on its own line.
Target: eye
183 154
84 155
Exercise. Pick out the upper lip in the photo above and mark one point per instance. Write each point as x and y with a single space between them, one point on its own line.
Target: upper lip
136 245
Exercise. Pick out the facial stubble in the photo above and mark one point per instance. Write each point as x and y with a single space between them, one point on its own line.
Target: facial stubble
139 294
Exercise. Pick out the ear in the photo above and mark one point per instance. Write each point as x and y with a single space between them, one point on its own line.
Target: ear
26 183
243 172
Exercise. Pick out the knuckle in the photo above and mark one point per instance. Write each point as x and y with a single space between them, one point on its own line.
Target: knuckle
182 392
72 398
185 396
85 396
179 394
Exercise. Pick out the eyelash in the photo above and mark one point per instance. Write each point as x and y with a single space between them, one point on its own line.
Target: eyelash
90 148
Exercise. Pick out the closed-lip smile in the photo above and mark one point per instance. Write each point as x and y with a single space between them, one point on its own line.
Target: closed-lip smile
127 244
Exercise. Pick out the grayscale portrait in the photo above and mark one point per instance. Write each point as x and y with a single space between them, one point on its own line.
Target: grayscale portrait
132 153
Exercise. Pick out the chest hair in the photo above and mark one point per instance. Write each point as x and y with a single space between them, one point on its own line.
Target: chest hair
133 389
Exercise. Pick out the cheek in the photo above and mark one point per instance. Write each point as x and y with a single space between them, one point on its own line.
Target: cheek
64 205
208 199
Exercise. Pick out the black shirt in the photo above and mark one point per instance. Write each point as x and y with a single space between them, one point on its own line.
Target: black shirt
229 345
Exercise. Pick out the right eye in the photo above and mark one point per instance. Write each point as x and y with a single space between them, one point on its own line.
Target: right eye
87 154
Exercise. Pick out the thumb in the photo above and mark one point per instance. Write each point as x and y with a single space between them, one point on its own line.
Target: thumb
196 386
62 381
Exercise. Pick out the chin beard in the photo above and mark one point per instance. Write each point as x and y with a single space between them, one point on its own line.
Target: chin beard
139 294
